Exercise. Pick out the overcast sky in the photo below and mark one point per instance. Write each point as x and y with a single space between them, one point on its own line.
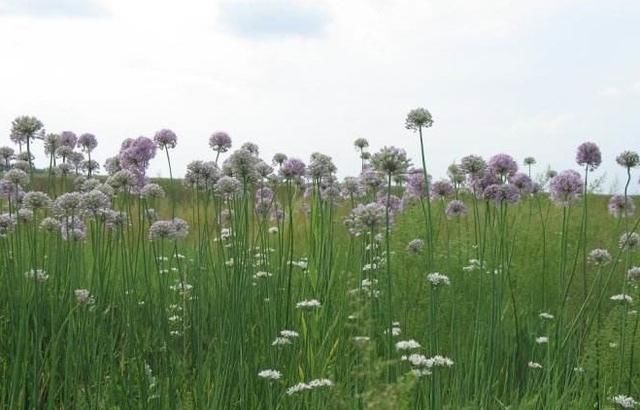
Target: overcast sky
524 77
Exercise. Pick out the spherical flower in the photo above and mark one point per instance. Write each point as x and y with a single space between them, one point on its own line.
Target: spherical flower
292 168
50 225
441 189
392 202
473 165
152 191
529 161
162 230
365 218
321 166
416 186
36 200
628 159
67 204
621 207
88 142
633 274
629 241
165 139
83 297
415 246
63 169
73 230
566 188
418 118
7 224
589 155
456 209
625 402
599 257
279 158
263 169
227 186
112 165
503 193
456 174
390 161
522 182
123 180
480 182
352 186
372 180
95 202
16 177
7 153
503 165
220 142
437 279
68 139
181 228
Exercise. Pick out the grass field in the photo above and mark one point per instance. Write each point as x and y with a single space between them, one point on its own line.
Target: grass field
269 300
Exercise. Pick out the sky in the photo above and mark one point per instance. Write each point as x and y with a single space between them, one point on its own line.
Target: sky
529 78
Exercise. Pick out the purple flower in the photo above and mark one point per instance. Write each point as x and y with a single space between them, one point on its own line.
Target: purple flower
135 156
220 141
566 187
416 187
441 189
506 193
415 246
68 139
480 182
522 182
394 204
628 159
589 155
88 142
165 139
503 165
292 168
621 207
456 209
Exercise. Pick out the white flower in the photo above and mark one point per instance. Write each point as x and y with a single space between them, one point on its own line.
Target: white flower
439 361
438 279
262 275
281 341
534 365
270 374
542 340
407 345
546 316
83 297
622 298
626 402
273 230
38 275
361 339
417 360
311 304
297 388
289 334
313 384
225 234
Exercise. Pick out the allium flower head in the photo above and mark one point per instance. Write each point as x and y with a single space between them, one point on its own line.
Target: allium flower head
95 202
279 158
152 191
227 186
365 218
361 143
36 200
503 165
441 189
123 180
352 186
16 177
529 161
502 193
407 345
6 153
292 168
25 127
415 246
68 139
242 165
600 257
522 181
51 143
7 224
162 230
589 155
473 165
321 166
633 274
181 228
67 204
456 174
50 225
392 202
566 187
220 141
165 139
391 161
73 230
87 142
621 207
629 241
628 159
372 180
263 169
625 402
270 374
437 279
418 118
311 304
456 209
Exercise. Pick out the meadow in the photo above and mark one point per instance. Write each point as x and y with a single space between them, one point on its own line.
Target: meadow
271 284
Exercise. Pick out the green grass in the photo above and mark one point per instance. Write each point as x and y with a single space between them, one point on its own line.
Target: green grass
146 343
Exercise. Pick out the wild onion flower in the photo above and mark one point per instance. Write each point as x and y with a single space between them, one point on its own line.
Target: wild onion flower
162 230
535 365
290 334
112 165
67 204
502 165
455 174
436 279
455 209
633 274
311 304
480 182
312 385
391 201
418 118
566 188
600 257
439 361
73 229
372 180
123 180
320 166
181 228
50 225
6 155
361 143
629 241
281 341
473 165
83 297
270 374
227 186
416 186
546 316
87 142
203 175
68 139
529 161
522 182
135 155
220 142
95 202
352 186
279 158
152 191
415 246
165 139
503 193
38 275
36 200
589 155
242 165
407 345
441 189
621 207
542 340
25 215
7 224
16 177
292 168
251 148
625 402
628 159
391 161
365 218
622 298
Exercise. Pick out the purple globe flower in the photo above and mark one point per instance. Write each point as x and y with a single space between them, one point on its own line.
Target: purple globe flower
165 139
441 189
68 139
416 187
394 204
135 156
503 165
522 182
620 207
292 168
88 142
504 193
480 182
589 155
456 209
566 188
220 141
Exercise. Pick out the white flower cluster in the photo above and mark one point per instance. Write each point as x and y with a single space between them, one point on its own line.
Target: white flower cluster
546 316
311 304
38 275
474 265
437 279
423 366
286 338
312 385
626 402
407 345
622 298
542 340
270 374
262 275
395 329
535 365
